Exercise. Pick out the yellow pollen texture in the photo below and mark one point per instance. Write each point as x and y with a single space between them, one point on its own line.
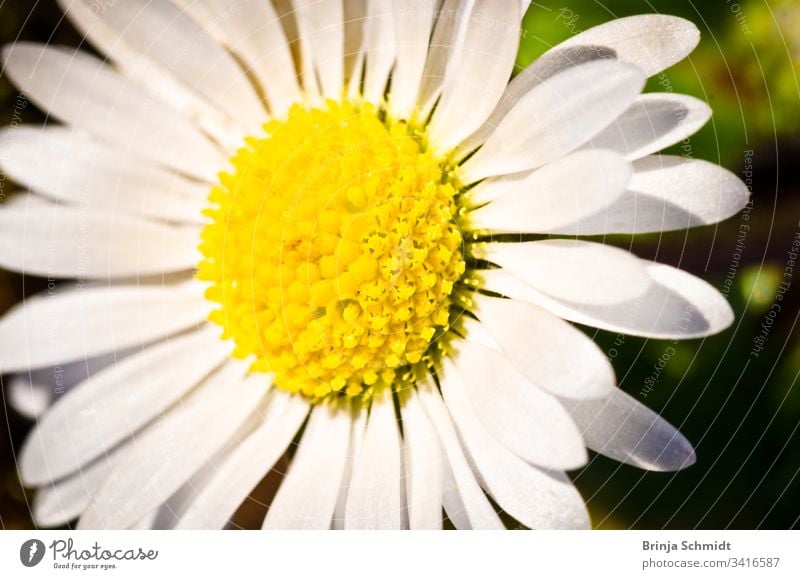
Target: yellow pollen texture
332 251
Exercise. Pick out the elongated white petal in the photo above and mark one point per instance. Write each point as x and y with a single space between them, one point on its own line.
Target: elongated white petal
30 398
174 508
423 466
571 270
32 392
655 121
477 73
145 72
548 351
356 443
624 429
379 49
560 193
162 32
66 499
374 492
159 460
653 42
104 410
677 305
413 22
668 193
546 66
445 31
523 418
247 464
556 117
253 32
476 332
64 241
321 22
355 11
494 188
47 329
538 499
307 496
82 91
69 166
462 498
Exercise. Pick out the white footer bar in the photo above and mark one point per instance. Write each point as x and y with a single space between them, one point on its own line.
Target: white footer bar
385 555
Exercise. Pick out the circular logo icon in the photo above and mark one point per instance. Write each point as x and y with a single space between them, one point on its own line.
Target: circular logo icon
31 552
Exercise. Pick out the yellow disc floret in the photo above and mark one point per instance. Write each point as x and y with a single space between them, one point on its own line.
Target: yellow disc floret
333 250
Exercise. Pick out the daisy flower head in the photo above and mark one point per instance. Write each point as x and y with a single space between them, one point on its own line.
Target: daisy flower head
339 237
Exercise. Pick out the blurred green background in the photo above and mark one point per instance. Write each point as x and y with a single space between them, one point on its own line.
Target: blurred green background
741 410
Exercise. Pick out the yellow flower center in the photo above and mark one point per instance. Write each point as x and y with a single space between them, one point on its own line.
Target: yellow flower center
333 250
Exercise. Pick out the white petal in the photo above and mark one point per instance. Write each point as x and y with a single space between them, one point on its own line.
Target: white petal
524 419
548 351
546 66
462 498
67 499
538 499
30 398
355 13
356 442
52 329
494 188
374 492
480 65
668 193
653 42
677 306
174 508
556 117
307 496
423 466
445 31
321 22
476 332
413 21
380 49
31 393
147 522
163 33
247 464
148 74
80 90
557 194
571 270
624 429
69 166
162 458
67 241
654 122
107 408
253 32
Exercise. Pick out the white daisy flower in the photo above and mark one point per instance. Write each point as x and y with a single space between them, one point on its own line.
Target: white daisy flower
389 260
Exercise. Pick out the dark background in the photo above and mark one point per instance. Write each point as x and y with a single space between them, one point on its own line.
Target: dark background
741 411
